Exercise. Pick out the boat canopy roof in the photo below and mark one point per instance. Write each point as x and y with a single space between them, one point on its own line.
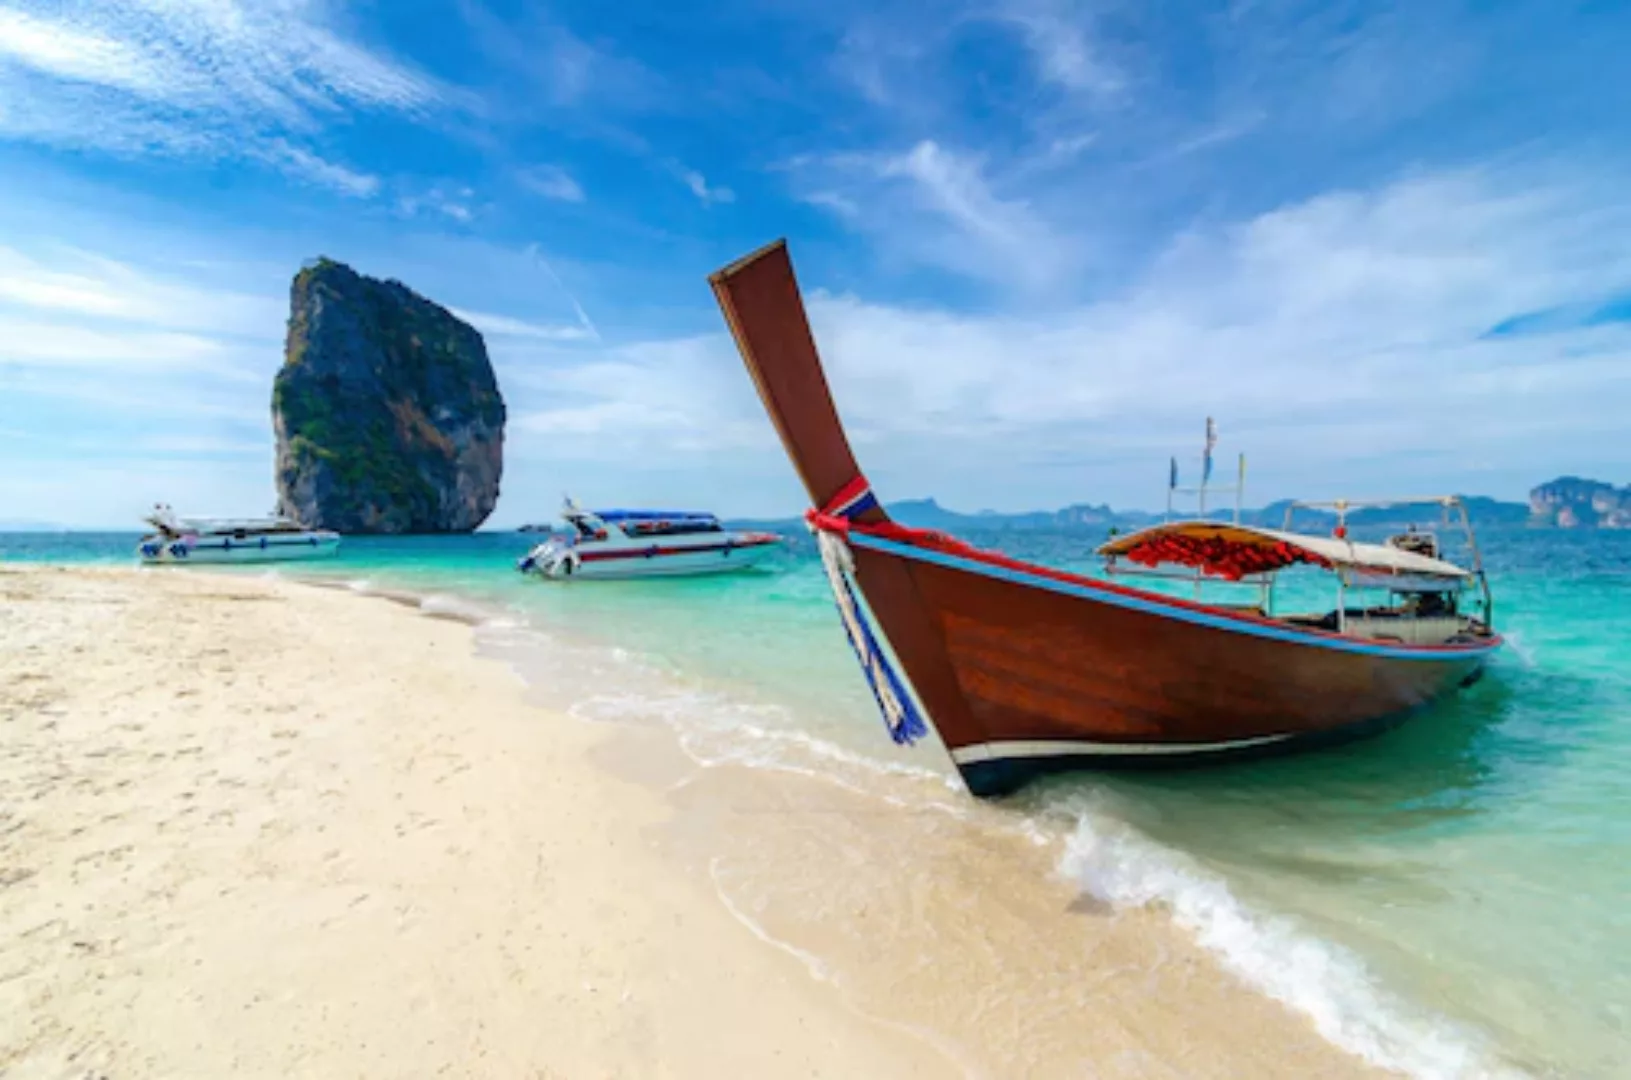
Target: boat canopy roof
1233 551
647 515
179 524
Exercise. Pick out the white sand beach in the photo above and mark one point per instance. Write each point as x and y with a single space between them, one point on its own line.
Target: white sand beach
255 828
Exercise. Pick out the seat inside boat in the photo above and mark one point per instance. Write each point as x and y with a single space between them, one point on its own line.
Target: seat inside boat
1401 623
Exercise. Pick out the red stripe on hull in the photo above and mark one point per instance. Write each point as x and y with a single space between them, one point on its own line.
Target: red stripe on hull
659 552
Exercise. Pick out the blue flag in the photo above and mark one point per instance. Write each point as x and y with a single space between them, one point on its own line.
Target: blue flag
1173 481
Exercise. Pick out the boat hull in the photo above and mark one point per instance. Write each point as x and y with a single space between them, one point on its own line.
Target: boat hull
1023 674
213 551
659 562
1021 669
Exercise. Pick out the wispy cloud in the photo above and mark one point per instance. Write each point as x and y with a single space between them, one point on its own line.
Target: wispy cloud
560 70
933 205
31 342
305 165
954 187
77 55
701 188
1225 131
685 396
61 282
223 79
552 182
536 255
452 203
505 326
1061 39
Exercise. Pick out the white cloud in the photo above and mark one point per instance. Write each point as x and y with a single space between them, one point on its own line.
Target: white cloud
60 282
1061 40
111 495
1225 131
557 69
1063 148
1340 341
220 79
437 200
308 166
935 206
955 188
700 188
24 341
686 396
505 326
842 205
210 445
68 53
552 182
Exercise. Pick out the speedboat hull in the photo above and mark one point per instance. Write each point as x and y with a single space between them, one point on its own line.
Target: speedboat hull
221 550
587 562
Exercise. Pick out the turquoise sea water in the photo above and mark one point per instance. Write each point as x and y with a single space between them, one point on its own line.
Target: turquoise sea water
1451 899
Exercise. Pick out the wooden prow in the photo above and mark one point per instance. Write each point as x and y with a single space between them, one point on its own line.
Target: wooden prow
760 299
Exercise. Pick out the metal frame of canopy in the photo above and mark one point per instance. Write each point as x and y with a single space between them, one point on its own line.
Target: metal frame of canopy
1445 503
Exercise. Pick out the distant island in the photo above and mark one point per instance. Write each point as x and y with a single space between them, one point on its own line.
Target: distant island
1568 502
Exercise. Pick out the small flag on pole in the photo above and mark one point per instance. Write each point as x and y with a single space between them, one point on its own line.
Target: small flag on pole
1172 481
1211 441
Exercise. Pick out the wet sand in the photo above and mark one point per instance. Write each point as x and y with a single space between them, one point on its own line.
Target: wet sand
254 828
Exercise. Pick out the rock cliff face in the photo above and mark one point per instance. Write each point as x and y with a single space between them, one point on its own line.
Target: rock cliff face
387 414
1571 503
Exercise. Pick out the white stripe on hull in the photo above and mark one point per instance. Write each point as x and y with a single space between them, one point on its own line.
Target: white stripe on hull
1048 748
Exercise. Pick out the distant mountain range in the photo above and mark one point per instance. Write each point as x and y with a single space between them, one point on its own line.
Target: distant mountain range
928 514
1568 502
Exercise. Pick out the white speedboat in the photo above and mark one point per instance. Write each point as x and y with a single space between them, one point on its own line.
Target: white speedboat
644 543
184 540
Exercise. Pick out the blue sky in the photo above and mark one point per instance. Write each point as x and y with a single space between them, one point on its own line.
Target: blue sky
1387 245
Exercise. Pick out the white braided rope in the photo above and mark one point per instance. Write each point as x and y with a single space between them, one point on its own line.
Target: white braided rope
840 567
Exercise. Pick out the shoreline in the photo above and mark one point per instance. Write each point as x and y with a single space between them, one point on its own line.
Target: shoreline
415 814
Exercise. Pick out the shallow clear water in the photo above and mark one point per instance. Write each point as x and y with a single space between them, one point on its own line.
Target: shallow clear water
1441 897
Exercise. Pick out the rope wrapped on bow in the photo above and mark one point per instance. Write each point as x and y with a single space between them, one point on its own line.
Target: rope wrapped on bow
830 525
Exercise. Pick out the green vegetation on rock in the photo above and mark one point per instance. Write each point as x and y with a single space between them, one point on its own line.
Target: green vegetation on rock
387 413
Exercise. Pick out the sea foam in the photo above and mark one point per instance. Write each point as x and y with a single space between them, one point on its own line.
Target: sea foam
1119 866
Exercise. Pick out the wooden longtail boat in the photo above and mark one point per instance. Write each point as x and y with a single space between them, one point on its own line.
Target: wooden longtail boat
1024 669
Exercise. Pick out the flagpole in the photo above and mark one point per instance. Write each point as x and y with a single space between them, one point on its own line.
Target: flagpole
1240 488
1172 486
1206 462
